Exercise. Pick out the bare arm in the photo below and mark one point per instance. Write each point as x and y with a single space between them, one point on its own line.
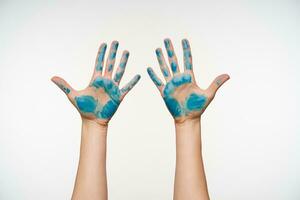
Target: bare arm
186 102
91 180
190 181
96 104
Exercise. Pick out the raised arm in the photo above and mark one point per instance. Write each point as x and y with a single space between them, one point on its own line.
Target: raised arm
186 102
96 104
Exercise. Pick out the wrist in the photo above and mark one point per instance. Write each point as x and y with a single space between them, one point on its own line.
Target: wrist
189 122
91 126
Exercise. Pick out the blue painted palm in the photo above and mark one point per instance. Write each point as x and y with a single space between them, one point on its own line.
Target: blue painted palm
182 96
100 100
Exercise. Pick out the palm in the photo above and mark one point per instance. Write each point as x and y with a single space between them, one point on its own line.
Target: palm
100 100
182 96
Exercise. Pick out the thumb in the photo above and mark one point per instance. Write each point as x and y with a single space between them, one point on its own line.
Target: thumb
62 84
217 83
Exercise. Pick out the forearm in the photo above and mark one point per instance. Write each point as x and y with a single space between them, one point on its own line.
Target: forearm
91 180
190 181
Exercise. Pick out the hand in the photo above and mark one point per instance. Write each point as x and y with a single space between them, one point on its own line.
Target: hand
102 97
182 96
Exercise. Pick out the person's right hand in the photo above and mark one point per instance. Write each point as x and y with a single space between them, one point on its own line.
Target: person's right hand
183 97
101 98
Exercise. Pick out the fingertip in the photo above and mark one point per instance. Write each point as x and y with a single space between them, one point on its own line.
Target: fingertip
115 42
158 51
103 45
149 70
126 52
167 42
55 79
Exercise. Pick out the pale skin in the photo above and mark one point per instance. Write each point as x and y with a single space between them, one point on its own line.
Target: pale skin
186 102
96 104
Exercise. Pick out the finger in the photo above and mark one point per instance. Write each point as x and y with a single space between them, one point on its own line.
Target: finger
100 58
110 62
129 85
63 85
162 64
187 55
121 68
171 56
159 84
217 83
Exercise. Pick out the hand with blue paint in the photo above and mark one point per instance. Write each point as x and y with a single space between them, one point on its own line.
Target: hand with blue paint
102 97
183 97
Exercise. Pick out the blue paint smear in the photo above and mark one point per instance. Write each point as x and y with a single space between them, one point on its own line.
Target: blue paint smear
167 43
185 44
109 87
65 89
118 76
127 55
108 110
195 102
165 72
173 106
153 77
122 65
86 103
158 52
187 54
99 66
177 81
110 67
174 66
170 53
188 65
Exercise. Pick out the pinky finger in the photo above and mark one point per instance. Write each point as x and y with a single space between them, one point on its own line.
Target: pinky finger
129 85
159 84
62 84
217 83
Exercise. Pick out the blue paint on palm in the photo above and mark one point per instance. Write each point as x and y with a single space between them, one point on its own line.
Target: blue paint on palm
108 109
194 102
176 82
90 105
173 106
86 103
109 87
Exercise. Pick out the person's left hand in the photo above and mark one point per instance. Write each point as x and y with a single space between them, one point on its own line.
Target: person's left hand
183 97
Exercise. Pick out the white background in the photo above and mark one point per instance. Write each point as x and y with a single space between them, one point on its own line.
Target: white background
251 134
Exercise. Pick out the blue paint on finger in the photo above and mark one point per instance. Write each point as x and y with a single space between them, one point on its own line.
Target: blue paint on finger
110 67
165 72
174 66
99 66
65 89
185 44
131 84
154 78
118 76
